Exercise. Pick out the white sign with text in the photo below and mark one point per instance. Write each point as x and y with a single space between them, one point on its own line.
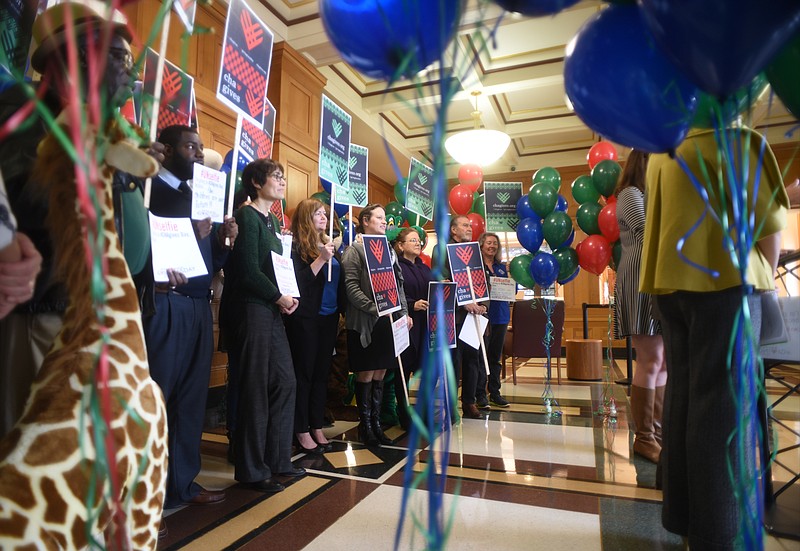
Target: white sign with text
174 247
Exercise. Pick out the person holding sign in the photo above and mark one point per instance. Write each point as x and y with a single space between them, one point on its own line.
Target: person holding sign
369 336
312 329
499 316
180 333
416 276
250 318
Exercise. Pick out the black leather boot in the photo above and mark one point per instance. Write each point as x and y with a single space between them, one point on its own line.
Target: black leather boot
364 403
377 399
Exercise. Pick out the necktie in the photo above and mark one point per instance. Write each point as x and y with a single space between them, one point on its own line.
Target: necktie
184 188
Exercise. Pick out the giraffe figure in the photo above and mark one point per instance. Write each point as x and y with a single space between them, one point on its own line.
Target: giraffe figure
48 497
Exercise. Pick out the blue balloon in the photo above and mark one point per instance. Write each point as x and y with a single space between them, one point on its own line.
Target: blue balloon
721 45
226 168
544 269
388 39
340 209
529 233
535 8
570 239
228 160
570 278
524 209
347 231
562 204
326 185
241 162
625 88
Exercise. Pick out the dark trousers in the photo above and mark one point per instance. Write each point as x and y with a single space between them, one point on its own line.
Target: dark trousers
494 352
179 340
699 417
263 438
311 341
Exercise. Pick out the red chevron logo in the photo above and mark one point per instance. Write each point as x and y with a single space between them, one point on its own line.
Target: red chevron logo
376 247
253 32
464 254
171 83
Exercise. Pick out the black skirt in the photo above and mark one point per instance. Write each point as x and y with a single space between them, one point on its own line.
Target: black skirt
380 352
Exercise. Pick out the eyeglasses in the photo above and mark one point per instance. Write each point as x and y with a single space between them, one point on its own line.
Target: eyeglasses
121 56
321 213
412 241
278 176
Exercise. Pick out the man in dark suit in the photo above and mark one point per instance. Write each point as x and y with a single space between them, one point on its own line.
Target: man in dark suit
179 335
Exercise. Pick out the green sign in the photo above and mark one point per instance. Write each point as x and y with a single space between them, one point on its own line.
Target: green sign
334 147
356 194
500 199
419 198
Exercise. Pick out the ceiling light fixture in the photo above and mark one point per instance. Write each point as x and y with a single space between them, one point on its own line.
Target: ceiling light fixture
478 146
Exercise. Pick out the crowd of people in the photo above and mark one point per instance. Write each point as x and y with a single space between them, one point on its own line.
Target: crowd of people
280 348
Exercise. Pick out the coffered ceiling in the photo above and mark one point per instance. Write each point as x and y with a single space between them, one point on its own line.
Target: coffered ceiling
519 75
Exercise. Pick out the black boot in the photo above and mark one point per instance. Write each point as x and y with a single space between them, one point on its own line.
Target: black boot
377 399
364 403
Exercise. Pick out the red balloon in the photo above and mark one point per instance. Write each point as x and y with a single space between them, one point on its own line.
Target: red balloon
425 259
470 176
478 225
611 199
600 152
594 252
461 199
607 222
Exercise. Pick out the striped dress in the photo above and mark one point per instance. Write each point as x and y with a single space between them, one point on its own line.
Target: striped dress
632 309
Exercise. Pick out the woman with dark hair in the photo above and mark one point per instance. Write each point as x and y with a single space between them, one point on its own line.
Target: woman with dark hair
634 312
250 318
370 346
416 276
313 326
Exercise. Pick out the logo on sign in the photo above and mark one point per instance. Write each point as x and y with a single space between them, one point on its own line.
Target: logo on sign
253 32
377 250
171 83
423 179
464 254
504 196
337 127
253 103
353 162
392 294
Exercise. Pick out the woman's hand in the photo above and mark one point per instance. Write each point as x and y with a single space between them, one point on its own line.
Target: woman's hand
290 310
410 322
421 305
286 302
326 251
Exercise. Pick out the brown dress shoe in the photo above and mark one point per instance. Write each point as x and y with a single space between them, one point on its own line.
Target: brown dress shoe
207 497
470 411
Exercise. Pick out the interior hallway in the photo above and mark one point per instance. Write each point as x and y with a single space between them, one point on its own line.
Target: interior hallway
517 480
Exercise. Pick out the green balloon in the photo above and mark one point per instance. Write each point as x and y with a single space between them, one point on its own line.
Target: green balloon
478 205
519 268
542 199
605 175
322 196
583 190
556 228
400 190
739 102
394 209
784 76
549 176
567 262
414 219
587 218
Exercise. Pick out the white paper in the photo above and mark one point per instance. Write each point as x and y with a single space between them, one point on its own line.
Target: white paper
284 275
174 246
468 333
208 194
400 335
503 288
787 351
286 241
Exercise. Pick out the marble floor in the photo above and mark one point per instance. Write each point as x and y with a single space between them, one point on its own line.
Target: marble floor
517 479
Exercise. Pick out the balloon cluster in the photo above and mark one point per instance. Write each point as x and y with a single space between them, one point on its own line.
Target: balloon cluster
680 64
599 222
465 199
543 217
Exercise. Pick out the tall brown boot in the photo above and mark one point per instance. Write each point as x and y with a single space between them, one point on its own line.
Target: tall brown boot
644 444
658 412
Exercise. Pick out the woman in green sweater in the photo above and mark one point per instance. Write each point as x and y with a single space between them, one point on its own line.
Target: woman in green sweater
251 321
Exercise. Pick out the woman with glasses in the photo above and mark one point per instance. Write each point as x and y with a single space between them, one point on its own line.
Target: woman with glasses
370 346
416 276
313 326
250 318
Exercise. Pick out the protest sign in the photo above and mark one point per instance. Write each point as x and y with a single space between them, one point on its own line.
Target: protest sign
356 195
442 320
174 246
381 274
466 266
500 200
419 197
176 94
208 193
334 146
